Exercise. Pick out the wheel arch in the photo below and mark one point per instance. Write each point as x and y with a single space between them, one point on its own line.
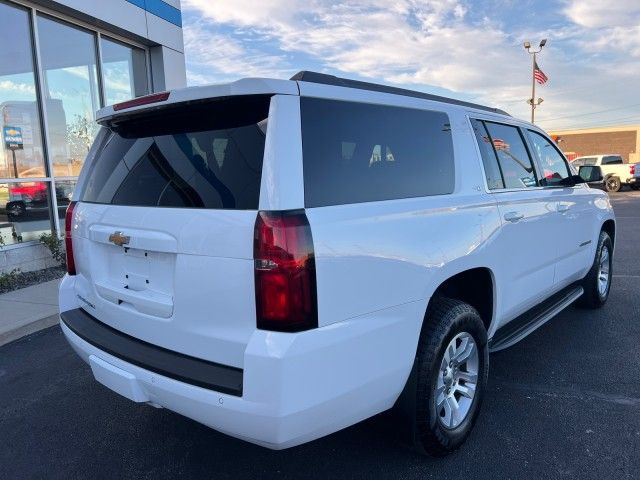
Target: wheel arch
475 286
609 226
482 296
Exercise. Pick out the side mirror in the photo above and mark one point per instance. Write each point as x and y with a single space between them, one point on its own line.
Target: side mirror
571 181
590 173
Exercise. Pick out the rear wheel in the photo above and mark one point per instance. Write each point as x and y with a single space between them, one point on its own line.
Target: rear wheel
597 283
612 184
451 368
15 209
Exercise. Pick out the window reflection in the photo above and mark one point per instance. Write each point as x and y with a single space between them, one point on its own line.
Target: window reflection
24 211
512 154
64 192
18 101
71 92
124 71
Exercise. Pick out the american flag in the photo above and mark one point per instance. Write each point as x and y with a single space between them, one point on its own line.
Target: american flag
539 75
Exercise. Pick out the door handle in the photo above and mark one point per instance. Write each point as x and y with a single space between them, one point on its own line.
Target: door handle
563 207
513 216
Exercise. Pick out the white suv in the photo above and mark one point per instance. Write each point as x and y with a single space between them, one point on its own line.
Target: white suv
282 259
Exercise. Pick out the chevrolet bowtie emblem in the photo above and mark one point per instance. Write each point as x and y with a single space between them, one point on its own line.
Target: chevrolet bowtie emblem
119 239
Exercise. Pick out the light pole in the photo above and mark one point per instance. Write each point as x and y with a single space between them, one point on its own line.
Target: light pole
532 101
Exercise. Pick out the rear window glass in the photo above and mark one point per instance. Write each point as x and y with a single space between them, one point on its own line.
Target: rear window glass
206 155
585 161
356 152
612 160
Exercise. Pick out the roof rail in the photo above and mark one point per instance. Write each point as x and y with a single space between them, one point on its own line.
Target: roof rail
325 79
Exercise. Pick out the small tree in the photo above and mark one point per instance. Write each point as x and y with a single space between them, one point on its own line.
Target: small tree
80 134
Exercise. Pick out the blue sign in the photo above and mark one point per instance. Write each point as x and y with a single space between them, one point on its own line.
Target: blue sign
13 138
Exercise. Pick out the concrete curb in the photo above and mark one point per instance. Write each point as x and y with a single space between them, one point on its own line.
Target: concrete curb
23 330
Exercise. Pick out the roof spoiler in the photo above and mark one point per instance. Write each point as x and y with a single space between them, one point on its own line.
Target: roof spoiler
325 79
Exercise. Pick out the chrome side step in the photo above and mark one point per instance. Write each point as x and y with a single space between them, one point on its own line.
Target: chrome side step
530 321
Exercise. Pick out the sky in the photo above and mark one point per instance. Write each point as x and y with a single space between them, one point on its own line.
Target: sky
471 50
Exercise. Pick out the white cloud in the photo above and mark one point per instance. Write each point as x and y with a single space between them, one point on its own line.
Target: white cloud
599 13
409 41
623 39
422 43
611 26
27 89
225 58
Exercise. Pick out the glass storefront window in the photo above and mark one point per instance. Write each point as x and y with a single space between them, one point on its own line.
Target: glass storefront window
124 71
67 88
68 57
64 191
24 211
18 100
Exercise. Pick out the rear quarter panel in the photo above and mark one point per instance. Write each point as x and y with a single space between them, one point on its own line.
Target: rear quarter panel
383 254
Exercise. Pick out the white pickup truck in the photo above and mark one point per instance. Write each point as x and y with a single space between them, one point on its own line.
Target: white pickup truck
615 172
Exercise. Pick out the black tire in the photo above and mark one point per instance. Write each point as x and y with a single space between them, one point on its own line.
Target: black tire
15 209
612 184
592 297
635 187
445 319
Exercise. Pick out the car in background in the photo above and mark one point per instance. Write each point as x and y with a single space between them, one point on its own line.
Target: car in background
30 199
634 182
615 172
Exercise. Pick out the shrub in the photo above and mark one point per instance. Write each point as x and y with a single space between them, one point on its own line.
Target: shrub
8 279
55 246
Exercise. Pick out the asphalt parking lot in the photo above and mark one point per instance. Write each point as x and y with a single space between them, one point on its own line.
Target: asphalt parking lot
563 403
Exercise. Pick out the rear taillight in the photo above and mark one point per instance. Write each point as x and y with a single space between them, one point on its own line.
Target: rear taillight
632 170
68 238
285 272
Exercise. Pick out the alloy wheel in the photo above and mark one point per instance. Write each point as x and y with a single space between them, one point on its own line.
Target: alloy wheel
604 271
457 380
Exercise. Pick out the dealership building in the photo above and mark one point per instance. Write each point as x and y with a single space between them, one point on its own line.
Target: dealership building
60 61
623 140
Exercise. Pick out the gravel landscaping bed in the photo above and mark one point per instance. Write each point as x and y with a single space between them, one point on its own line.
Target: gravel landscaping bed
15 281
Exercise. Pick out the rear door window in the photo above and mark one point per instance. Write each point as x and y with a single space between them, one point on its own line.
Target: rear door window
489 158
207 155
515 163
357 152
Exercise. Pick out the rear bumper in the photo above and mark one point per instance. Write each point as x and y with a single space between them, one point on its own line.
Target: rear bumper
295 387
210 375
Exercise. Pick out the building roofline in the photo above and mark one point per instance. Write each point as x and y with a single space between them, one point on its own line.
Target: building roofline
608 129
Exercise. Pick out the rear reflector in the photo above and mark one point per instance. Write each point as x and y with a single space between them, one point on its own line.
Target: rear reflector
632 169
285 272
68 238
147 99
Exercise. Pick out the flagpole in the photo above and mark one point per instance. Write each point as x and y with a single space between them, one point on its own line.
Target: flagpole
533 87
532 101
